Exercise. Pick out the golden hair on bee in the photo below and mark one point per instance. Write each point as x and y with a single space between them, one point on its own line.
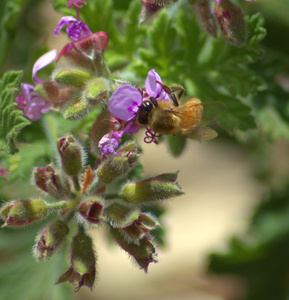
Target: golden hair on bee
187 120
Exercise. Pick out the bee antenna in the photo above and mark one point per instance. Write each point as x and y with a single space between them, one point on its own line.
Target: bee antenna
154 101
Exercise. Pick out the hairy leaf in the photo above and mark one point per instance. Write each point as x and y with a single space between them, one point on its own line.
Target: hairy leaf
12 120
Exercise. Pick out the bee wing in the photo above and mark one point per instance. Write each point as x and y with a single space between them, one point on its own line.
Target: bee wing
201 133
201 113
191 114
212 110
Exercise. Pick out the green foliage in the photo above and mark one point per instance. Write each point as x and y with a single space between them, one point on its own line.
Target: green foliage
22 278
20 165
9 14
176 144
11 119
261 257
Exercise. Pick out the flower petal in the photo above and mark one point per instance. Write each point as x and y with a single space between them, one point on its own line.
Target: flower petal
125 103
76 29
109 143
35 104
153 88
42 62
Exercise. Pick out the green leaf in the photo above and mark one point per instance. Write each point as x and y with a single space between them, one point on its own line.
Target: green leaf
12 120
9 15
22 277
162 51
176 144
21 164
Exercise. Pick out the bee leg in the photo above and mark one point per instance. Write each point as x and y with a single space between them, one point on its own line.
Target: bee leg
171 92
178 88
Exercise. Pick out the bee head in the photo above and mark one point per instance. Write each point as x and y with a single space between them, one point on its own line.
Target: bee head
145 109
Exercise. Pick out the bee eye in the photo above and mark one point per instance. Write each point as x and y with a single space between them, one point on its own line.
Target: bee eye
146 106
144 111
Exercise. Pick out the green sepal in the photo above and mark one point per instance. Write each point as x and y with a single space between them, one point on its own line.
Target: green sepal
23 212
144 253
121 215
71 77
149 190
97 90
76 110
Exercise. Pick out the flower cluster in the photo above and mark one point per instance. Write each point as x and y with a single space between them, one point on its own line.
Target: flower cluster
124 106
74 193
80 79
80 196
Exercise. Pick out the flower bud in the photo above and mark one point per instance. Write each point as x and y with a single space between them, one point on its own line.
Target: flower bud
23 212
71 77
52 93
86 53
152 189
50 239
232 22
119 165
206 17
97 90
130 149
121 215
150 7
76 110
50 182
71 155
144 253
91 210
82 269
148 10
140 228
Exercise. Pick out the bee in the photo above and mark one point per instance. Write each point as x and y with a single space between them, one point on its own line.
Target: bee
168 117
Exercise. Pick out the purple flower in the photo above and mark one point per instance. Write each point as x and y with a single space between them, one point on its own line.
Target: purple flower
42 62
126 100
130 128
219 1
76 29
154 88
125 103
31 103
109 143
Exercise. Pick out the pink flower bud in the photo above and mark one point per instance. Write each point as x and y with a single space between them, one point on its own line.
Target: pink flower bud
119 165
50 239
50 182
82 270
91 210
148 10
206 17
231 21
71 155
86 53
143 253
23 212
